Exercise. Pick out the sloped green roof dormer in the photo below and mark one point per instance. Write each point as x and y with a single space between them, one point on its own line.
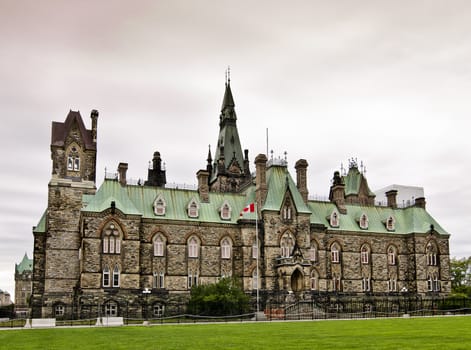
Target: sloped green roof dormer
356 187
25 265
279 182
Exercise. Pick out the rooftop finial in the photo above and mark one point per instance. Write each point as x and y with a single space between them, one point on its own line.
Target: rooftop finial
228 75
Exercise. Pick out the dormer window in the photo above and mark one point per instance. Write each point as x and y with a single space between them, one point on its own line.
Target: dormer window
390 224
334 219
225 211
363 221
193 209
160 205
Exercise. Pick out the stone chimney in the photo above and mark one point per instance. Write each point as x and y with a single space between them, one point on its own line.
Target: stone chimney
420 202
94 117
261 189
203 187
301 178
391 196
337 193
122 169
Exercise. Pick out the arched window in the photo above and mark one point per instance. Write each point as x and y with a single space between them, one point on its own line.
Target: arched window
73 159
363 221
287 212
335 253
160 205
193 209
287 245
431 252
106 276
225 211
111 239
334 219
226 248
313 252
365 254
159 246
193 247
392 255
158 310
116 276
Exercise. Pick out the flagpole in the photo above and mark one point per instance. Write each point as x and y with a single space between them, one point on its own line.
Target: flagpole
258 253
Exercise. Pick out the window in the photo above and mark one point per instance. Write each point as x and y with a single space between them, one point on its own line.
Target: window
335 253
436 283
192 248
159 280
366 284
116 276
392 285
431 252
225 211
254 279
287 245
59 310
363 221
336 284
111 239
365 255
111 309
225 249
192 279
193 209
313 253
106 276
158 310
314 280
391 256
286 212
73 159
390 224
334 219
159 205
430 283
159 246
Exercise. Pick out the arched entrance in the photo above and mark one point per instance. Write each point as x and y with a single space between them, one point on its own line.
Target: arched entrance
297 281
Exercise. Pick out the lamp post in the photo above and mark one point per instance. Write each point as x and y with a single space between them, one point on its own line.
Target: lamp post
146 292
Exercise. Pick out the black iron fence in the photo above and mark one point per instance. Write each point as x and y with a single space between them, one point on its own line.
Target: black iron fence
318 307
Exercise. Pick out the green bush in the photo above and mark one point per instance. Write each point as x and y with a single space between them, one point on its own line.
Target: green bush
223 298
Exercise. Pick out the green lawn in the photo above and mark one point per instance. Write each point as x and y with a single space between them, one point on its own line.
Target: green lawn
412 333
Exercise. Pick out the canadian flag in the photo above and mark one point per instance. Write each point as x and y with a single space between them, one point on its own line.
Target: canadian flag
248 209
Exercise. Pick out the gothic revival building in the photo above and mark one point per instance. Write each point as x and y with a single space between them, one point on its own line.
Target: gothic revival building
23 285
100 248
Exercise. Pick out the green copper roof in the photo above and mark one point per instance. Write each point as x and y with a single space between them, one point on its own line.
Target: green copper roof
25 265
41 226
139 200
279 181
407 220
353 182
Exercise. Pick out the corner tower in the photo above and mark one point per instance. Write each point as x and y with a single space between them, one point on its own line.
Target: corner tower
57 237
230 171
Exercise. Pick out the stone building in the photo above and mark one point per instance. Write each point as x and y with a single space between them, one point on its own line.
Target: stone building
23 285
4 298
97 250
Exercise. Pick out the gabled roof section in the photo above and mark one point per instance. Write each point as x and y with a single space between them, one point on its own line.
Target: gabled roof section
61 130
25 265
279 181
353 181
41 226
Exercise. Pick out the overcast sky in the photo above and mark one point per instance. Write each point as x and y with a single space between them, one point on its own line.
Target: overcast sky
388 82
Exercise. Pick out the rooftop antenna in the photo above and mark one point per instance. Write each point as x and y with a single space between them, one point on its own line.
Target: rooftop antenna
267 141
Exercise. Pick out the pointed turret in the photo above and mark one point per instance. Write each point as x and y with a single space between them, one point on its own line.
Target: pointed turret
229 172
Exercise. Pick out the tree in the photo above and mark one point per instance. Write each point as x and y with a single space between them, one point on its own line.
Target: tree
460 276
223 298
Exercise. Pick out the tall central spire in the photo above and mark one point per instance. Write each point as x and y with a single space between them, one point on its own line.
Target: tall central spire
230 168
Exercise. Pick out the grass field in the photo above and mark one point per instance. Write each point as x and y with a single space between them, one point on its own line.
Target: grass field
412 333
